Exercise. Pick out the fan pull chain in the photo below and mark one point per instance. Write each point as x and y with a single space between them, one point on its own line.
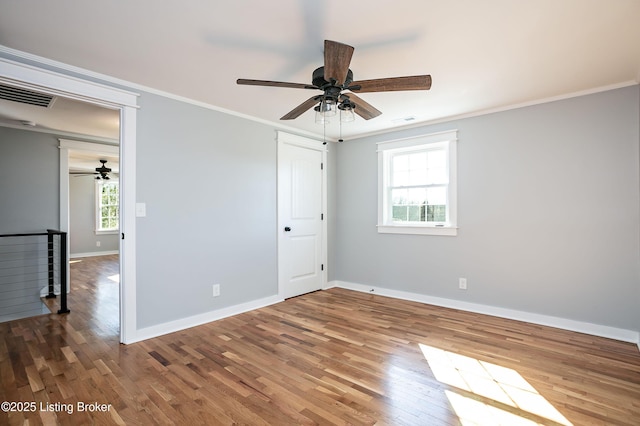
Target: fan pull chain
324 132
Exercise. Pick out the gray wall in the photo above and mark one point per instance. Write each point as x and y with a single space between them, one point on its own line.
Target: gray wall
531 236
548 210
209 182
82 219
29 181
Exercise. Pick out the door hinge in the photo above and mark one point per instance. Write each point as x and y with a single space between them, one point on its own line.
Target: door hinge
322 267
321 216
321 166
123 235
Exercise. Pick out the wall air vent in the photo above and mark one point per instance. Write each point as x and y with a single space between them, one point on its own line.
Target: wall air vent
24 96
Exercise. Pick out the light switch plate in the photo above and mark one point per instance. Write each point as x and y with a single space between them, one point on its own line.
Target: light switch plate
141 209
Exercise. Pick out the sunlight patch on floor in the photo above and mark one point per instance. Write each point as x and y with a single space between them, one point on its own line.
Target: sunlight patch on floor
115 278
502 386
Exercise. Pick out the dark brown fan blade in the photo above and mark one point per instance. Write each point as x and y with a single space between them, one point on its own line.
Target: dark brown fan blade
337 57
416 82
274 84
297 111
363 109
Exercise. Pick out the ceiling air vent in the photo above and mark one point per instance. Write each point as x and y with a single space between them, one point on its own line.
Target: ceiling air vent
24 96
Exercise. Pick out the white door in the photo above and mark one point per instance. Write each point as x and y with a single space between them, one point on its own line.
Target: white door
300 215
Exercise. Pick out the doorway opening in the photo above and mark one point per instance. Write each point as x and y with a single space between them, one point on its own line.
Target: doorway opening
124 103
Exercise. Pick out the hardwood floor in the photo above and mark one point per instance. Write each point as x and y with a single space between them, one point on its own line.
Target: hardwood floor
330 357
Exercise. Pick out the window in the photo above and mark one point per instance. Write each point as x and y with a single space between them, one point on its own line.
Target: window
417 185
107 208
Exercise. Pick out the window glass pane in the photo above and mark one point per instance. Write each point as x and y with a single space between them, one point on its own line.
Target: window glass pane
417 196
437 175
408 204
418 168
436 204
417 161
437 166
401 178
419 177
399 213
399 197
108 206
419 204
437 195
400 163
436 213
410 169
437 158
414 213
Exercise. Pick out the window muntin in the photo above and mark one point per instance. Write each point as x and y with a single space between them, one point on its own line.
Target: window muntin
107 206
417 185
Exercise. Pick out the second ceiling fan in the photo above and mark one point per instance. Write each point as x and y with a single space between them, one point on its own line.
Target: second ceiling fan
101 172
335 80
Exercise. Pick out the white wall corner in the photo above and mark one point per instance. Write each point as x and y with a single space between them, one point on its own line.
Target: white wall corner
546 320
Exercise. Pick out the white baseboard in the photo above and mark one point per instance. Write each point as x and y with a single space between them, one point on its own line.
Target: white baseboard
563 323
93 253
193 321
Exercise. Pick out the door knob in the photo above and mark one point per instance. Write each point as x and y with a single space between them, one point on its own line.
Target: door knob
287 229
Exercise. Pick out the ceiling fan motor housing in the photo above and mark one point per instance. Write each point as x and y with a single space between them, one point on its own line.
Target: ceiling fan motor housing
319 81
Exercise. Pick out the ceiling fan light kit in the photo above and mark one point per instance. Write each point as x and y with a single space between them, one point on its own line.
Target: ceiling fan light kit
335 80
347 111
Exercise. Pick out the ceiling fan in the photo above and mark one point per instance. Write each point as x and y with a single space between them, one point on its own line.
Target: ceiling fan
335 80
101 172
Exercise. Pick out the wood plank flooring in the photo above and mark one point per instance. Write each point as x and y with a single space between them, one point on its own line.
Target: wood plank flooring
330 357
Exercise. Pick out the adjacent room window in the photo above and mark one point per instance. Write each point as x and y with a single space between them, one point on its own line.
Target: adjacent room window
417 185
107 208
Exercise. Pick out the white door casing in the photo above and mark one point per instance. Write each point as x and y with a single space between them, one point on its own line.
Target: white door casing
301 214
50 82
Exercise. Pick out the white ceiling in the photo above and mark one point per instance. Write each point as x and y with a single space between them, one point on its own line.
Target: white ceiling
64 115
88 161
482 55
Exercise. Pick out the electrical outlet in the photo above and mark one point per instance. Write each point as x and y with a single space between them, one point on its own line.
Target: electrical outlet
462 283
216 290
97 243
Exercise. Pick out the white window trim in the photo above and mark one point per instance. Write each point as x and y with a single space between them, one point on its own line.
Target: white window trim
99 231
449 140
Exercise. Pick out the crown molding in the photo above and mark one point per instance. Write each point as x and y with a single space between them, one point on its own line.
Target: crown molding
60 66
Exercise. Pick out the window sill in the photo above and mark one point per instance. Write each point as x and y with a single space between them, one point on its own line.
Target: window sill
418 230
